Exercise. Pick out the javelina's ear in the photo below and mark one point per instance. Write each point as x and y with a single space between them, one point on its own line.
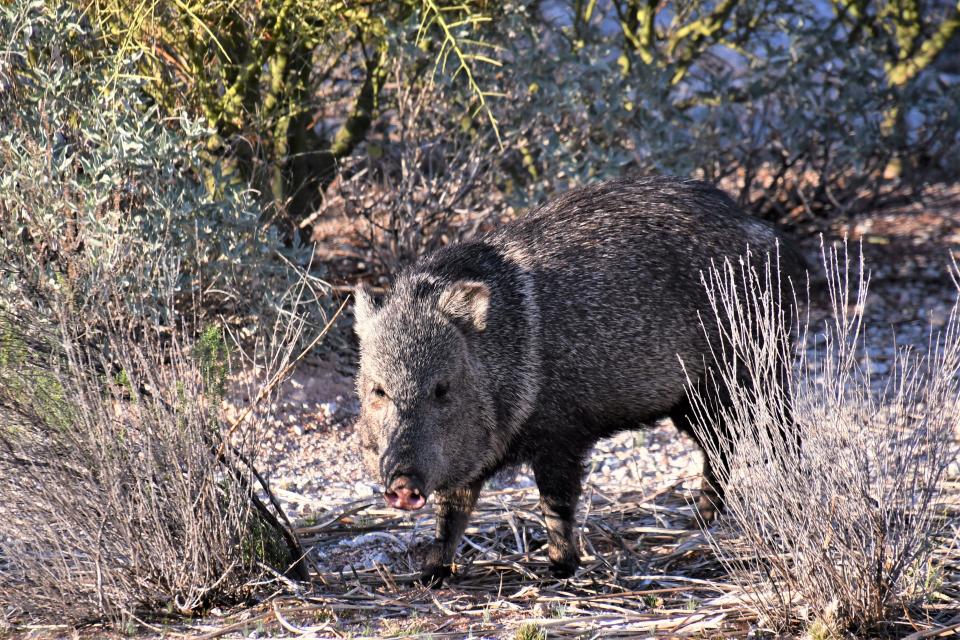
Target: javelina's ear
466 303
363 311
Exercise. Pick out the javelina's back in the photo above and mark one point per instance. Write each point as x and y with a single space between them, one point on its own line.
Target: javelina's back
616 269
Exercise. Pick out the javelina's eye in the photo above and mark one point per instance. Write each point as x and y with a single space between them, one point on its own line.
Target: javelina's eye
440 391
379 392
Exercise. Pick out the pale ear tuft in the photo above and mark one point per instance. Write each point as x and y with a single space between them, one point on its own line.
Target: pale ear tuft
466 303
363 310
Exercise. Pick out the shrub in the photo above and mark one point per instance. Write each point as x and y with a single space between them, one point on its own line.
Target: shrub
799 107
802 108
428 184
288 90
840 532
125 494
108 204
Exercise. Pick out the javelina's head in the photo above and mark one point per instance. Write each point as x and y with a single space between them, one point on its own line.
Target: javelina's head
426 411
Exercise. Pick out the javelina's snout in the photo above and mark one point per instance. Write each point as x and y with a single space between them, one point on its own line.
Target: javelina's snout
405 491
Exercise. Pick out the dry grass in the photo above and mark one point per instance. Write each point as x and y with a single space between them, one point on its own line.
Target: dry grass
843 532
648 570
633 544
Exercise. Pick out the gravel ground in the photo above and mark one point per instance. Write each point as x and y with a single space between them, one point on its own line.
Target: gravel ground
309 450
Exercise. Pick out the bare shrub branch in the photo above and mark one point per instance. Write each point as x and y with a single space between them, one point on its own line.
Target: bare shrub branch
432 185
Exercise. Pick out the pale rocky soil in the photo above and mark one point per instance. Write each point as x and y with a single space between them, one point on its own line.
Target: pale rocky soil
309 450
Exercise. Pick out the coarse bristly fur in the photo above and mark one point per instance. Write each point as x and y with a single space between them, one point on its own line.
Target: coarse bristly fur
531 343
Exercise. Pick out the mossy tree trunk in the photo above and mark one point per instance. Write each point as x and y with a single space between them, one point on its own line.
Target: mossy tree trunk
250 68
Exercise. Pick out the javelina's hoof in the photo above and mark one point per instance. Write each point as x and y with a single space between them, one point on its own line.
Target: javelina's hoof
707 508
561 571
563 557
434 575
564 569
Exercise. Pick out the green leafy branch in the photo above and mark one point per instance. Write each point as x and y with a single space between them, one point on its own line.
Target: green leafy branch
915 56
434 15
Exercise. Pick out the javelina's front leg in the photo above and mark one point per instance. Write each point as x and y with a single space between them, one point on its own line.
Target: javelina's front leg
559 485
453 512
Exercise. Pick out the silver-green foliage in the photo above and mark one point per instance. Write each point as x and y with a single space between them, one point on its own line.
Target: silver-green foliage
104 203
127 492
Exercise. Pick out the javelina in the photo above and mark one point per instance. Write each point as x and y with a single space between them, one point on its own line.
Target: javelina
533 342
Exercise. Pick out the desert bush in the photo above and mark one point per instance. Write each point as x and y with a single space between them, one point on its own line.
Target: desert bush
251 70
840 532
804 109
428 184
801 108
127 495
288 90
106 203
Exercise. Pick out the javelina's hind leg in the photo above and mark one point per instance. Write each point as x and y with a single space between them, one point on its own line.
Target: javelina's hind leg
453 512
710 502
558 481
